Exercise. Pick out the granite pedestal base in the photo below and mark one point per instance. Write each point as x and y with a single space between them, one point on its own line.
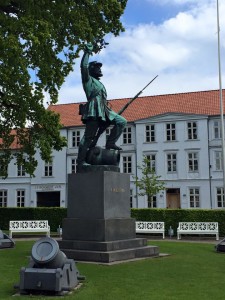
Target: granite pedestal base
98 227
108 252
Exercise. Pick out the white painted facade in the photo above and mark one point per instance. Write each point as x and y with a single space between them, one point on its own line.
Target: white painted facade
189 164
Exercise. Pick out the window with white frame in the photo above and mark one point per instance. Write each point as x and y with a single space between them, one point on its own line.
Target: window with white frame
131 198
170 131
127 164
218 160
48 169
75 138
217 130
152 161
127 135
20 198
171 162
152 202
21 171
150 133
194 197
192 130
3 198
73 165
193 161
220 197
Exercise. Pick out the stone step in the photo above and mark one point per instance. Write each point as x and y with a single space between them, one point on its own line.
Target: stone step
103 246
112 256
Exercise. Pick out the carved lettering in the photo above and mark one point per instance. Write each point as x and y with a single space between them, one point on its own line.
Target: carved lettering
47 187
117 190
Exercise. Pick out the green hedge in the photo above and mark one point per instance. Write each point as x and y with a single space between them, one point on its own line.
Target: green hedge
172 217
52 214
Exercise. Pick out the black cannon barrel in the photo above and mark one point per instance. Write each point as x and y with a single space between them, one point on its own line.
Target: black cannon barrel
46 254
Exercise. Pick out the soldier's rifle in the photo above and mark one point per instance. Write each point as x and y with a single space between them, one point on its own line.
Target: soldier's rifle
103 128
135 97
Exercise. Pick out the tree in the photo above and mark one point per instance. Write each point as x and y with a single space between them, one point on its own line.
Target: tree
149 184
39 43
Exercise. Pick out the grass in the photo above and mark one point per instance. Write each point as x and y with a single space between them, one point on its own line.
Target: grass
193 271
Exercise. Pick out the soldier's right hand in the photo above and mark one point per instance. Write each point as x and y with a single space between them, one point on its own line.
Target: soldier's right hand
89 47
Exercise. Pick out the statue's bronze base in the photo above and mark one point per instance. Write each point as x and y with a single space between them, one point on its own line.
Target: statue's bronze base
93 168
99 156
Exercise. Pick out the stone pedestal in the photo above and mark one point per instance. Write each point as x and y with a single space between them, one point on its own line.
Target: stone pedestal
98 226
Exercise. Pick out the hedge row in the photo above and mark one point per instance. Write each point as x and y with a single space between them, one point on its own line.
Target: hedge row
171 217
52 214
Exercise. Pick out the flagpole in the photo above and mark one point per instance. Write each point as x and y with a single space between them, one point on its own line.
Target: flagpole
221 98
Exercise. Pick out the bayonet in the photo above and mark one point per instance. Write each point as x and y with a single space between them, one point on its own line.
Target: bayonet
135 97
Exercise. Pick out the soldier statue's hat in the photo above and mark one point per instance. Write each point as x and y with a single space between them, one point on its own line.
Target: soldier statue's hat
92 64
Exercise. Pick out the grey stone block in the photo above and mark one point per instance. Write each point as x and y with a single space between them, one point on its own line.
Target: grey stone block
103 246
112 256
98 226
98 229
98 195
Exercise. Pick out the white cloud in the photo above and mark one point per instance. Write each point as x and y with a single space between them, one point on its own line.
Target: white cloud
182 51
180 2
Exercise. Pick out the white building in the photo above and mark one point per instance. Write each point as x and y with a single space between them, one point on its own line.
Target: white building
181 134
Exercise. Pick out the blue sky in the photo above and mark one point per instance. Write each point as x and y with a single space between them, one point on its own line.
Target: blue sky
149 11
175 39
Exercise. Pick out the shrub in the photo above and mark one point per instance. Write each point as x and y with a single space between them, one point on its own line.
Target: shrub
54 215
172 217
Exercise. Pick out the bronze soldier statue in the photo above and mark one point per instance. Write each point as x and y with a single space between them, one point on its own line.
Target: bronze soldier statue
96 114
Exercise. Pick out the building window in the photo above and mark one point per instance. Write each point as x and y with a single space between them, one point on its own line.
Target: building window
150 133
172 162
220 197
152 161
127 164
217 130
152 202
3 170
127 138
3 198
218 160
192 130
171 132
73 165
75 138
131 198
21 171
48 169
20 198
194 197
193 162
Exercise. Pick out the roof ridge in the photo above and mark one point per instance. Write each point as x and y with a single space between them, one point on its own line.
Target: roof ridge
147 96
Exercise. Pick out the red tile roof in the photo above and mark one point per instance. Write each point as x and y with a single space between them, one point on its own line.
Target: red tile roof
205 102
15 144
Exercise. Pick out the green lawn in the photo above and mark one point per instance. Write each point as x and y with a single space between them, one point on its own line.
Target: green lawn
193 271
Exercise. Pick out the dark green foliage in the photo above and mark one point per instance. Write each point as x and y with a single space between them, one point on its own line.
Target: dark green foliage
172 217
53 215
39 44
